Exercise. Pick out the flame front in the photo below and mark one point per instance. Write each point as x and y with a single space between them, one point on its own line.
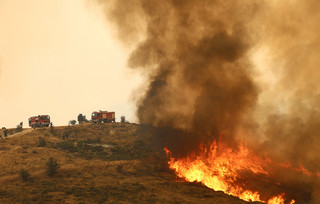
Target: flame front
220 168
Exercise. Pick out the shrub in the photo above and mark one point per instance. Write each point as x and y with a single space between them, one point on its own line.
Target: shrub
52 167
42 142
93 141
24 175
67 145
72 122
82 118
120 169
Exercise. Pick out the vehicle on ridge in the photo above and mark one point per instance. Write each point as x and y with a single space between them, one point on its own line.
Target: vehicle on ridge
103 116
39 121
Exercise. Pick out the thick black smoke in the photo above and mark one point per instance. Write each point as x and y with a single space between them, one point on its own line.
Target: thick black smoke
200 80
205 82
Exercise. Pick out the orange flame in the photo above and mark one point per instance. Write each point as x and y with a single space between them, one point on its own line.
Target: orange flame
219 168
300 169
279 200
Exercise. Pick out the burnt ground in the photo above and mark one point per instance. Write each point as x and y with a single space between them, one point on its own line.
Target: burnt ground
99 163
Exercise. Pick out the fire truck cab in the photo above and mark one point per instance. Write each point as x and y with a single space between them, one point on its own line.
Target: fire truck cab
39 121
103 116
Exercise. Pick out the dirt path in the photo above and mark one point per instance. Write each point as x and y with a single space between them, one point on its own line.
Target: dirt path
21 133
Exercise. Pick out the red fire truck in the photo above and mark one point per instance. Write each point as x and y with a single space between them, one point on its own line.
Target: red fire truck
103 116
39 121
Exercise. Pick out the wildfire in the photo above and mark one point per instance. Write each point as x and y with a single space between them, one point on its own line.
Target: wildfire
300 169
221 168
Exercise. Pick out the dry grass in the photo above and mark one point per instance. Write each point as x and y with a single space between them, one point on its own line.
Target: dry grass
128 172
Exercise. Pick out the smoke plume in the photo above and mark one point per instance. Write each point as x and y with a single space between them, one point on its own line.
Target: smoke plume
195 53
230 70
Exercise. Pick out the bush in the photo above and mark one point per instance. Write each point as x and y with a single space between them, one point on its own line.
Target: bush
42 142
93 141
72 122
82 118
67 145
52 167
24 175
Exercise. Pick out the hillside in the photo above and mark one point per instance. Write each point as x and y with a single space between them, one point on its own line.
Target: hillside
99 163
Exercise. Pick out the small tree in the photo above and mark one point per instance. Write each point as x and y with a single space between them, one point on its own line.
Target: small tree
42 142
24 175
52 167
82 118
72 122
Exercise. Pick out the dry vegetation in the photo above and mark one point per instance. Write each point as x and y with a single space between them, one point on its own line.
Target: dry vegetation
99 163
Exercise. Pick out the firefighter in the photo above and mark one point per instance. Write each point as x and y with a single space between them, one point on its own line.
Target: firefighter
21 124
67 135
5 133
51 127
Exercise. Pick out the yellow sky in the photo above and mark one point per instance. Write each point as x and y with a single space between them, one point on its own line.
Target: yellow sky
58 57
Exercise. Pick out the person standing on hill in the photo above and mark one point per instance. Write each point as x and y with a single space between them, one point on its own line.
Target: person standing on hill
5 133
51 127
66 135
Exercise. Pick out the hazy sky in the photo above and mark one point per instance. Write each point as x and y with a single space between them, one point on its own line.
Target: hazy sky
58 57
